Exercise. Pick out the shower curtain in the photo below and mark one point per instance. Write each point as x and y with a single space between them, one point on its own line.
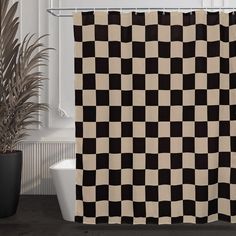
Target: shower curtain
155 96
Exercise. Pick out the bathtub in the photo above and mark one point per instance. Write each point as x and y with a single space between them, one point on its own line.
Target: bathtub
63 175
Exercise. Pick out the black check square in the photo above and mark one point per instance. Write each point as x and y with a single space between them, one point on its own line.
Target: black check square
139 49
127 98
163 176
89 49
101 32
114 145
151 65
138 81
102 161
164 82
188 113
200 97
115 113
164 145
138 177
176 129
114 208
164 49
151 129
127 160
151 98
188 81
164 113
78 97
176 33
164 208
114 49
89 113
152 161
151 33
114 177
126 66
102 65
213 81
176 65
213 49
102 97
189 49
151 193
176 97
201 161
102 192
201 64
89 209
114 82
127 192
89 81
126 34
139 145
102 129
138 113
127 129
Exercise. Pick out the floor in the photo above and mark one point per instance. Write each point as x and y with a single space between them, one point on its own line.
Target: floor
40 216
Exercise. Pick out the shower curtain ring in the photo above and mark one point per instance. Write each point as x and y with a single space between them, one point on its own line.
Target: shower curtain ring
233 11
163 12
136 11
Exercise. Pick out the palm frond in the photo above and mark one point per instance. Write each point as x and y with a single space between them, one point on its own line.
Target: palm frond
20 79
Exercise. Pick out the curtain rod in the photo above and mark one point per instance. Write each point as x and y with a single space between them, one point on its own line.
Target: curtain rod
52 10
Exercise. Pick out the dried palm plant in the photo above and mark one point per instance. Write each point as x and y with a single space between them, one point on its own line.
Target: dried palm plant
20 79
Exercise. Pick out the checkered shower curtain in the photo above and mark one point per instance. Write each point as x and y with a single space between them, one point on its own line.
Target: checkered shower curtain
155 108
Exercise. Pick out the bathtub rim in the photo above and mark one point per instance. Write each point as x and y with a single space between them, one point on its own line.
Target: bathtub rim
59 166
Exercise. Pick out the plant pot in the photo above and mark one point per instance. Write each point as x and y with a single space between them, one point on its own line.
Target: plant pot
10 182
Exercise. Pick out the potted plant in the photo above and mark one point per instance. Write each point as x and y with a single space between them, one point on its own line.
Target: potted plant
20 82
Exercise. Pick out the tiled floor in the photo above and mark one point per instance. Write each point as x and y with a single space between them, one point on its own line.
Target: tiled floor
40 216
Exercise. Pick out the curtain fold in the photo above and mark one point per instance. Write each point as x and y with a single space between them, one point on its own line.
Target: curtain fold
155 97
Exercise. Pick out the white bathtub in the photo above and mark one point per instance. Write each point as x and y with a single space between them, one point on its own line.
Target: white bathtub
63 175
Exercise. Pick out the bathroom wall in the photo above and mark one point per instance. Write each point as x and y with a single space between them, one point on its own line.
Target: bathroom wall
54 140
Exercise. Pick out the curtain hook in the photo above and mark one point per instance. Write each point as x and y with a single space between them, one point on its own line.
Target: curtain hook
149 10
107 11
233 11
93 10
163 12
136 9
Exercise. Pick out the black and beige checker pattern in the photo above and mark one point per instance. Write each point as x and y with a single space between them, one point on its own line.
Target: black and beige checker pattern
155 117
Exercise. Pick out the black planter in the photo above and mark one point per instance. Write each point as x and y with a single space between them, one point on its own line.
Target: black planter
10 182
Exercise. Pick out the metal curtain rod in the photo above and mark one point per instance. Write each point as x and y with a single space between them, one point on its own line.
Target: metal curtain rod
52 10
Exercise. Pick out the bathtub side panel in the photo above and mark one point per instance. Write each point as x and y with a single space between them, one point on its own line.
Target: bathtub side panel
64 182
